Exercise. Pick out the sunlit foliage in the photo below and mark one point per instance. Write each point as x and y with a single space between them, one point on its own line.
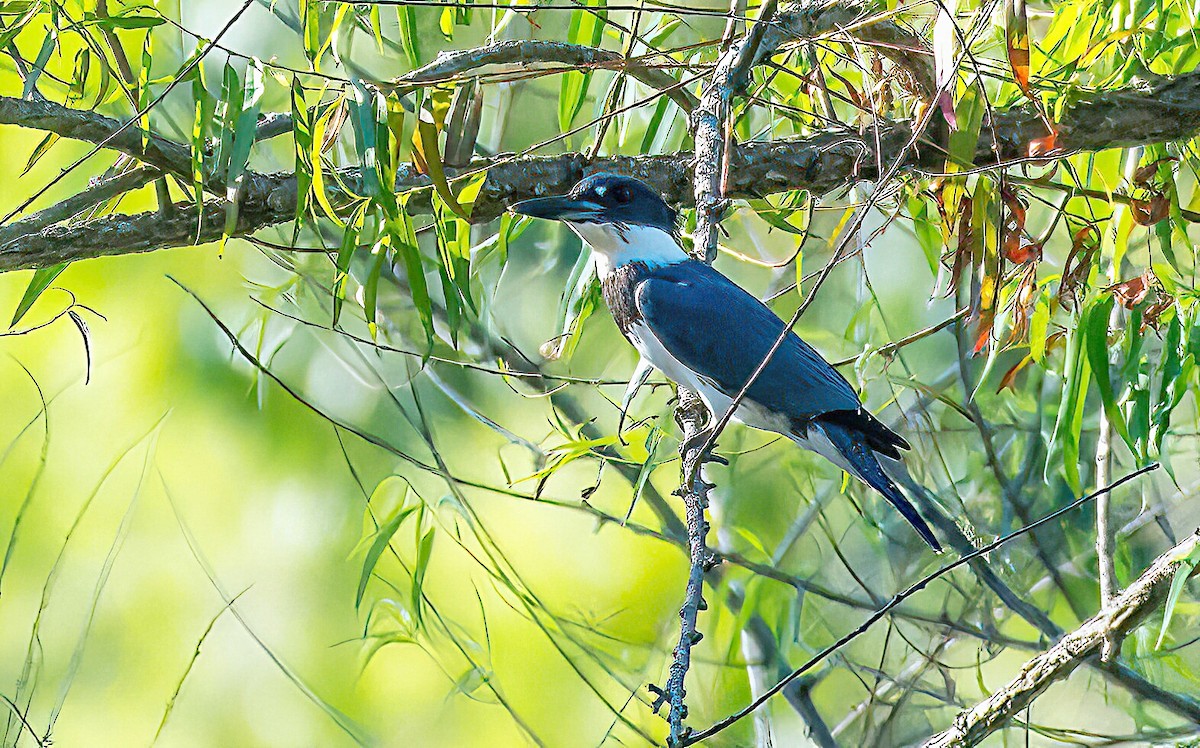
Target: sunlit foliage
1013 287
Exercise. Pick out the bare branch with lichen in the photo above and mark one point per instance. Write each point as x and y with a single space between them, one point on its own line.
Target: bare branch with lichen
1115 620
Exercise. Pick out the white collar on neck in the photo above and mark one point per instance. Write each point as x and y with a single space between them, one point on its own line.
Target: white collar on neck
614 245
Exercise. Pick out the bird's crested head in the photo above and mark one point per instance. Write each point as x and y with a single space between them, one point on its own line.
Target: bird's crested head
621 217
604 198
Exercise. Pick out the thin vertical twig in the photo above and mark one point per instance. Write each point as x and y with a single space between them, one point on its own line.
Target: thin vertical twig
712 132
1104 530
692 415
1105 563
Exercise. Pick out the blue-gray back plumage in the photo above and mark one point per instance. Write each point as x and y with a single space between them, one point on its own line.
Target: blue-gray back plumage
723 333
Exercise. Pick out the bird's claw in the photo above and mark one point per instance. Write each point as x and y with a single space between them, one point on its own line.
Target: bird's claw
698 441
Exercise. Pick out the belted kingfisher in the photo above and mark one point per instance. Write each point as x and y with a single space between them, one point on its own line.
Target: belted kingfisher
709 335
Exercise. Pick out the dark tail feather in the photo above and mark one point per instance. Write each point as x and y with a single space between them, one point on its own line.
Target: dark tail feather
857 451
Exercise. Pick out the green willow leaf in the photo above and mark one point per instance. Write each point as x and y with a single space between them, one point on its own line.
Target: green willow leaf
204 107
41 280
40 150
425 143
371 285
227 108
350 236
79 77
424 552
382 537
409 35
587 29
143 88
1069 422
583 298
39 65
1095 324
310 16
404 237
1173 372
305 152
1182 574
244 133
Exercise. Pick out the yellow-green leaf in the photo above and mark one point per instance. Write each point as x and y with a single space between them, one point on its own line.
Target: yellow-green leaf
425 147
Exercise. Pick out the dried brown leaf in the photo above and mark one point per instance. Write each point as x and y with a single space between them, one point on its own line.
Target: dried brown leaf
1017 32
1044 146
1150 212
1132 292
1143 175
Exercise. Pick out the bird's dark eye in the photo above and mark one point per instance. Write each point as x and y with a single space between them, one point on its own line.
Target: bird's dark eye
621 193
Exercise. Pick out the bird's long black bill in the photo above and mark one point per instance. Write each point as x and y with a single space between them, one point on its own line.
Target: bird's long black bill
557 208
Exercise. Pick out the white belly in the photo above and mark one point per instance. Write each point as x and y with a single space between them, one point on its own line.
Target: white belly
748 412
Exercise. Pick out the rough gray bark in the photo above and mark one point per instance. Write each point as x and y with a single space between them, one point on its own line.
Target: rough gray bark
712 131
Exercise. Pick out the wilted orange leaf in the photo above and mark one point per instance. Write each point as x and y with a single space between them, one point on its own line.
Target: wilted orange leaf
1145 173
429 160
1133 291
983 330
1078 264
1152 313
944 39
1017 28
1044 146
1021 249
1017 246
1010 377
1022 305
1150 212
336 120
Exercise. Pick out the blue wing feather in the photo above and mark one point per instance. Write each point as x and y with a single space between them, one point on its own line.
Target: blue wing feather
720 331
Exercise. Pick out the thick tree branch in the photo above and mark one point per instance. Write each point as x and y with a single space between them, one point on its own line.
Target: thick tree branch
799 22
261 206
1128 610
1147 112
102 191
81 124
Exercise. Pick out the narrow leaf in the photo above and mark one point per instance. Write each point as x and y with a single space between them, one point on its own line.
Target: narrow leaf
425 143
408 35
382 538
1186 565
81 325
1095 322
41 280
